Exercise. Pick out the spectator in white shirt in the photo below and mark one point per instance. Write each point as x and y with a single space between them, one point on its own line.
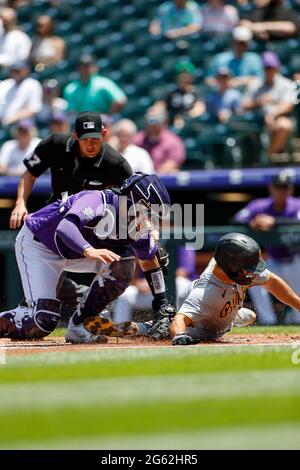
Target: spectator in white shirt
20 95
47 49
52 102
138 158
14 43
14 151
218 17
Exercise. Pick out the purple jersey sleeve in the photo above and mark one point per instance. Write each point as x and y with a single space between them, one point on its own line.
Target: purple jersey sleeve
258 206
86 209
68 233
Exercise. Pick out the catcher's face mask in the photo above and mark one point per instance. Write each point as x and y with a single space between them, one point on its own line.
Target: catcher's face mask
139 220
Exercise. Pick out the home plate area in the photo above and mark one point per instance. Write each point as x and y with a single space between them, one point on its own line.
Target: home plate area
57 343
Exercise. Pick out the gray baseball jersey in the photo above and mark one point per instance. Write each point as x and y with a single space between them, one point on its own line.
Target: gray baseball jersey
212 304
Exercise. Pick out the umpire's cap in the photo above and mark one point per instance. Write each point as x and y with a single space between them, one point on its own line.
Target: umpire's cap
88 125
236 253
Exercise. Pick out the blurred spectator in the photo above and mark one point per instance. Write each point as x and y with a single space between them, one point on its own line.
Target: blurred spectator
271 19
17 3
59 123
165 147
47 49
226 101
14 43
185 100
263 214
244 66
218 17
177 18
138 296
137 157
274 98
109 122
52 102
20 95
92 91
14 151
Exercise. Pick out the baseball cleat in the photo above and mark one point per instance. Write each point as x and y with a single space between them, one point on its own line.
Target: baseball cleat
77 334
11 321
95 325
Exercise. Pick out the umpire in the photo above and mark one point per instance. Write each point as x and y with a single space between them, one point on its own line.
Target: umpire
78 161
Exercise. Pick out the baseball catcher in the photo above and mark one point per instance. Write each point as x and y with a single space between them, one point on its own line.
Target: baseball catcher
91 231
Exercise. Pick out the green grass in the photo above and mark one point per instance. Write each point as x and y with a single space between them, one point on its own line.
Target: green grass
237 397
288 329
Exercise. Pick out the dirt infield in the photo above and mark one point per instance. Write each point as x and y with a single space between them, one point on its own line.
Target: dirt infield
58 344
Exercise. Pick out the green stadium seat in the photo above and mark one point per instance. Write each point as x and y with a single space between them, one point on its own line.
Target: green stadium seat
24 13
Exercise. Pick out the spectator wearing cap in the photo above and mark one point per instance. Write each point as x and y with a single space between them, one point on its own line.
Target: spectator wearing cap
272 20
218 17
165 147
14 151
59 123
92 91
47 49
137 157
225 101
244 66
262 215
20 95
52 102
177 18
14 44
273 96
184 101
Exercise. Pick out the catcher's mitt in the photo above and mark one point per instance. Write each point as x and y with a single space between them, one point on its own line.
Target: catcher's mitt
161 326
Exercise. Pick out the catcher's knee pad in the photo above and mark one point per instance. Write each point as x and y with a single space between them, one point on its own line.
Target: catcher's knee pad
107 287
46 316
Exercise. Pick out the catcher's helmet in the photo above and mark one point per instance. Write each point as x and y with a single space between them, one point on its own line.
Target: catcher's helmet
239 257
147 189
147 199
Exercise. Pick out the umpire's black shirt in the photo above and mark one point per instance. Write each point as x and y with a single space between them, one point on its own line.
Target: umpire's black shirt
72 173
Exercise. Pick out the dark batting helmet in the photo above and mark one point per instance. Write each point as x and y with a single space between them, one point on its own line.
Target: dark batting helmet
239 257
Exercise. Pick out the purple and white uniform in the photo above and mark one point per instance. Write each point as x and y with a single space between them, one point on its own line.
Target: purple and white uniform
54 238
283 260
67 228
